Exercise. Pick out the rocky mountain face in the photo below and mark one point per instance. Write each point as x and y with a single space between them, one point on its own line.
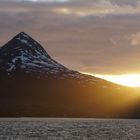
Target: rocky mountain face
24 54
33 84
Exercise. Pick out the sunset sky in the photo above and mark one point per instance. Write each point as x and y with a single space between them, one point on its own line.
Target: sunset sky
100 37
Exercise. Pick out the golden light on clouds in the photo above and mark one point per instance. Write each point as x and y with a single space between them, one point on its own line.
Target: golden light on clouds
130 80
99 10
135 39
63 10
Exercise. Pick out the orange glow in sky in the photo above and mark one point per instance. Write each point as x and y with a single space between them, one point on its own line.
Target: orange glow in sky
130 80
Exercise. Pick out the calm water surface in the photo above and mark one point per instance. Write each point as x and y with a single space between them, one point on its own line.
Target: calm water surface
68 129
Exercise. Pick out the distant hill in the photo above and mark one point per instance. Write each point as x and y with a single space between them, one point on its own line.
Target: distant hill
32 84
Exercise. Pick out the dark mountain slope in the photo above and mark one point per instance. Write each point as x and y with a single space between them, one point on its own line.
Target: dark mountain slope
33 84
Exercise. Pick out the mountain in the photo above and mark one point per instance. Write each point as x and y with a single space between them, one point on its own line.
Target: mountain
24 54
32 84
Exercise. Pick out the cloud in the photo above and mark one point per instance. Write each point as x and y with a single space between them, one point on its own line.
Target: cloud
100 9
125 2
135 39
79 39
36 0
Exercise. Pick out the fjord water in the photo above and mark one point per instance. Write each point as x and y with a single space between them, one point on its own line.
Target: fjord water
68 129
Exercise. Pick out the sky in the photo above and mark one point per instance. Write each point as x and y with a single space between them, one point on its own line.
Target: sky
92 36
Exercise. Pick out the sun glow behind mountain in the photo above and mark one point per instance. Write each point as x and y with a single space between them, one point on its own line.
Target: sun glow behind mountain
130 80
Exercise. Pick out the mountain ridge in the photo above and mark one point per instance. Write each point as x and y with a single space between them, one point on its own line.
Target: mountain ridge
25 53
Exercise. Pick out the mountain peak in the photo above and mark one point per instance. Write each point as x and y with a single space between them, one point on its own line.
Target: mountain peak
24 42
23 52
25 39
22 34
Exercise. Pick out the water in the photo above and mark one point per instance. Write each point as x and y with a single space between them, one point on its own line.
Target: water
69 129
